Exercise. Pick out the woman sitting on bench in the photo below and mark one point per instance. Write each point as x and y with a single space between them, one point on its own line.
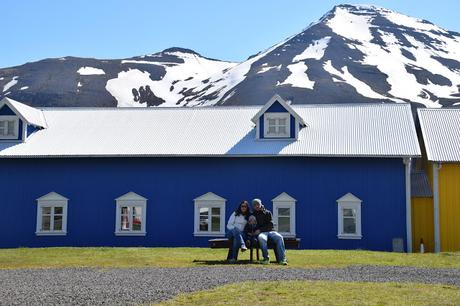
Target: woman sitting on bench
235 227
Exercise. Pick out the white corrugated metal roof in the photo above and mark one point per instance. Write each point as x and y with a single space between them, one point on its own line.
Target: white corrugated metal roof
441 133
29 114
374 130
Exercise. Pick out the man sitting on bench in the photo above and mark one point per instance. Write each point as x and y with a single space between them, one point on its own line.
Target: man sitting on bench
265 231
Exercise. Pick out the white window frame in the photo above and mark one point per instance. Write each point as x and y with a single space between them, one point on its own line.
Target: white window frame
349 201
277 116
284 200
209 200
52 200
130 199
16 127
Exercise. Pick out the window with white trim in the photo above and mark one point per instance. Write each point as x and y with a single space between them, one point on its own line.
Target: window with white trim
51 215
131 215
209 215
9 127
277 125
284 214
349 217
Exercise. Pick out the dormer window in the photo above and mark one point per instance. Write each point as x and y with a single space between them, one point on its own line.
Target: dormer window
18 121
9 127
277 125
277 120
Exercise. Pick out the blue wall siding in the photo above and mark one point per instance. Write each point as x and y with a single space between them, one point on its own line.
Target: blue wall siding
276 108
6 111
171 185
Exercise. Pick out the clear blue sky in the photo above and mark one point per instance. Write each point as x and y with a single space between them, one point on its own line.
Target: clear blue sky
229 30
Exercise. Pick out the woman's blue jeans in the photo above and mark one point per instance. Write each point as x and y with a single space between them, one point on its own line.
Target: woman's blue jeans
238 240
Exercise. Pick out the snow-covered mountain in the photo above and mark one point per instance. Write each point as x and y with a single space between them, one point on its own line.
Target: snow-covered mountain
354 53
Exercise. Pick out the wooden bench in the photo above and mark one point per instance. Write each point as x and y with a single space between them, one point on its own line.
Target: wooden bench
224 243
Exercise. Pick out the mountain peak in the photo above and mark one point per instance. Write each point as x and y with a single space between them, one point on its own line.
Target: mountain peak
181 50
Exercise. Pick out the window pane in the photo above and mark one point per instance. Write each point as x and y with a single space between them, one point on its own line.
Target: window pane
137 210
125 223
46 210
282 130
3 128
215 211
285 211
10 128
204 223
282 122
349 225
204 211
46 223
125 210
58 210
271 122
215 224
57 223
284 224
137 223
349 212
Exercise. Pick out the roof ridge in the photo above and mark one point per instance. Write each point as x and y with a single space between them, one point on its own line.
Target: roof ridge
328 105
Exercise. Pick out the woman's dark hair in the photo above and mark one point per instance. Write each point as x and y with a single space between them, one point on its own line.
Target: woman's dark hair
238 211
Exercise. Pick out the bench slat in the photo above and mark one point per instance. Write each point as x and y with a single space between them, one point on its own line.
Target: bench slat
223 243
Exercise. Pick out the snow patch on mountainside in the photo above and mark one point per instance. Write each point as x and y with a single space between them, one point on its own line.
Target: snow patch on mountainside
11 83
351 26
90 71
410 22
314 51
298 76
178 77
264 69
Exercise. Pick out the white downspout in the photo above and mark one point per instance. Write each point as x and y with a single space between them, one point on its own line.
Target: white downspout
437 237
407 163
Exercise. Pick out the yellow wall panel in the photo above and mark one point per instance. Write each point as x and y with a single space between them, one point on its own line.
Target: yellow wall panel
422 224
449 207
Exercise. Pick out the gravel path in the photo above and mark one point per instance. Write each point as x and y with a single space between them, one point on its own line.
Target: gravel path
145 285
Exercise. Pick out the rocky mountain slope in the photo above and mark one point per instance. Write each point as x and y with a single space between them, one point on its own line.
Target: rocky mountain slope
354 53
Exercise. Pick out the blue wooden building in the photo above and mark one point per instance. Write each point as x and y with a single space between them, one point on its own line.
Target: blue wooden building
336 176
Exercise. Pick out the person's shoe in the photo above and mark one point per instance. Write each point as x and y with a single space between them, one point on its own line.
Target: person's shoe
265 261
243 248
283 262
231 261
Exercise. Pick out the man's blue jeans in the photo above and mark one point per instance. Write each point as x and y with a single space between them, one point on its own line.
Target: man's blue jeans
238 240
277 240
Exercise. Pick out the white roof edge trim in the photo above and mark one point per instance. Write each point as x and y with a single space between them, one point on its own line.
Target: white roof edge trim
277 98
31 115
413 128
424 136
206 156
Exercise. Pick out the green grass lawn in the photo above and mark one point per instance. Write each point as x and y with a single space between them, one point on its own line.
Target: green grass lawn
321 293
188 257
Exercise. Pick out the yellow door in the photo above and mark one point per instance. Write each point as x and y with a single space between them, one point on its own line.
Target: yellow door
422 224
449 207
